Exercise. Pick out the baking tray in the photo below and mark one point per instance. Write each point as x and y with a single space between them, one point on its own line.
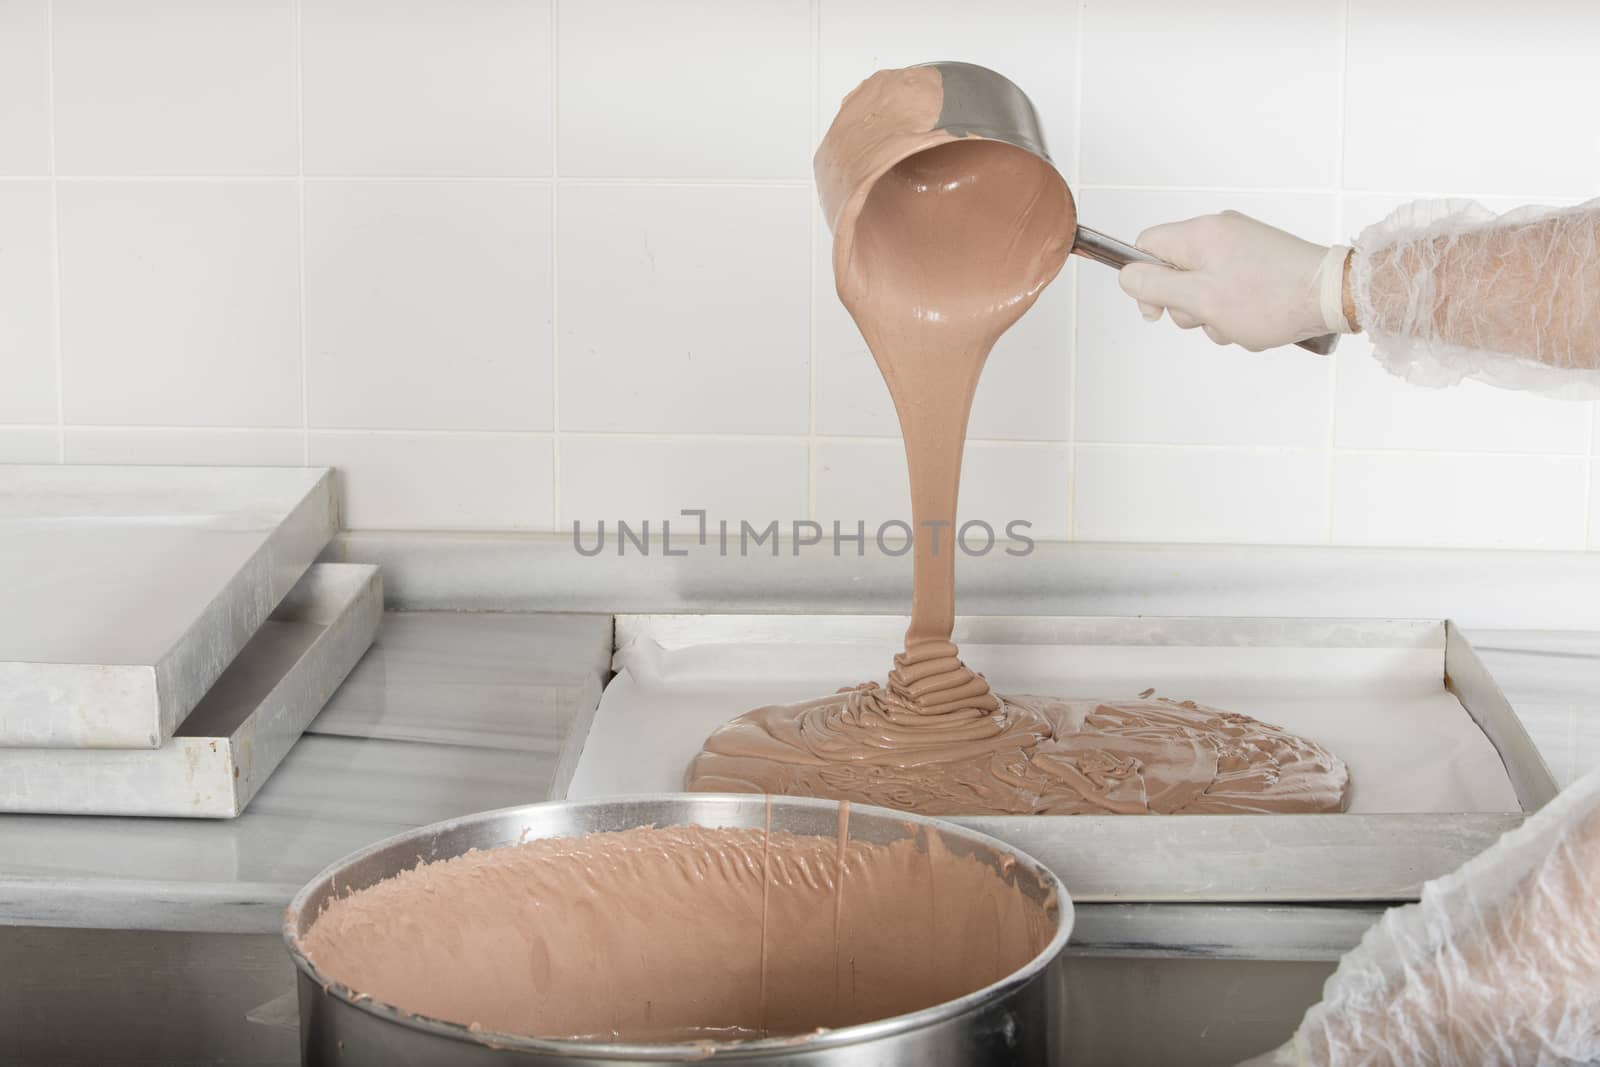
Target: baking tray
125 591
242 728
1401 695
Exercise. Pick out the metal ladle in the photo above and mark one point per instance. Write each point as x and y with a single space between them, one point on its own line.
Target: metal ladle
984 103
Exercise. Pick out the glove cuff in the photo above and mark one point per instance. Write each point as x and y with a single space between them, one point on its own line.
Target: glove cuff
1330 281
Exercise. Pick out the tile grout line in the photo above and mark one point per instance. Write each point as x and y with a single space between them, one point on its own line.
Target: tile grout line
1338 224
1075 168
55 234
555 265
814 103
300 204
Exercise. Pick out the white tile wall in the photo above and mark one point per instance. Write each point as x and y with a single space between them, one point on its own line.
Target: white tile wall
636 478
166 447
195 87
440 481
29 445
1492 501
698 294
27 317
427 87
516 263
180 303
1426 79
1241 93
25 87
1144 493
428 305
691 89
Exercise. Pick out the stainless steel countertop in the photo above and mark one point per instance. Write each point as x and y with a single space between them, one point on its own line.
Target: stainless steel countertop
448 713
456 712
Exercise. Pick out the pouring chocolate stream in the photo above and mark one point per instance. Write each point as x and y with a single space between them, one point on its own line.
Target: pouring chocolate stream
942 241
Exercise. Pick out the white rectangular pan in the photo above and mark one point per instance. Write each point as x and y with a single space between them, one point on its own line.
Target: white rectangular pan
1441 765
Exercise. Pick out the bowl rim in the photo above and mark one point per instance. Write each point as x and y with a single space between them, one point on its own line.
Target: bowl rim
696 1050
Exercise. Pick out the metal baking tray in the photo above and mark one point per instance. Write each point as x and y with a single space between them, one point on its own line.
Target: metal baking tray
125 591
1361 855
242 728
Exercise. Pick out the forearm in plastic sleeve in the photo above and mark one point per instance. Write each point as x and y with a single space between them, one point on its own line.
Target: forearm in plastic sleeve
1498 965
1448 290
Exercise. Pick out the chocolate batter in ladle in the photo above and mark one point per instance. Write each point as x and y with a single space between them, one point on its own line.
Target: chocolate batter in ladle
943 238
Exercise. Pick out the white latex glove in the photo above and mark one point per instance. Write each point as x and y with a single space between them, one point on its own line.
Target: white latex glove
1497 966
1243 282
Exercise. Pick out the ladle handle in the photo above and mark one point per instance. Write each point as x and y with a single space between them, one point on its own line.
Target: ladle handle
1092 244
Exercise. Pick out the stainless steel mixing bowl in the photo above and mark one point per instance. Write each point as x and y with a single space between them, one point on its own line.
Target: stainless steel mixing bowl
1009 1022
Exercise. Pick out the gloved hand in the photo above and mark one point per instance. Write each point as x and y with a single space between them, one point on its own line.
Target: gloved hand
1243 282
1498 966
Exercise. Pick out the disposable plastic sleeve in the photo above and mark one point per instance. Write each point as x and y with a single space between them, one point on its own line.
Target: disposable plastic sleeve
1499 964
1449 291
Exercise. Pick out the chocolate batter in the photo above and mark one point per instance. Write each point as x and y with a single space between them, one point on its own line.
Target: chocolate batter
1033 756
681 934
941 244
